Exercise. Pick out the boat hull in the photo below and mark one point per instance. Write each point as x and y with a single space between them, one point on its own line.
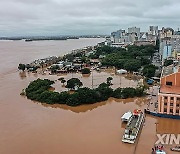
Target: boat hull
162 115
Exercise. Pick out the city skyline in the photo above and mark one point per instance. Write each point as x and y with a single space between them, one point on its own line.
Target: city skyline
54 17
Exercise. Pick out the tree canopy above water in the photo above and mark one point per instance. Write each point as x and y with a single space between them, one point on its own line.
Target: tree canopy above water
39 90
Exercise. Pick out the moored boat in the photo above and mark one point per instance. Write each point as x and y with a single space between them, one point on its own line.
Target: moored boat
126 116
28 40
176 148
158 149
133 127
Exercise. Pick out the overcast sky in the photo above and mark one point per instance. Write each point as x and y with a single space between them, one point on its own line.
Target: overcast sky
79 17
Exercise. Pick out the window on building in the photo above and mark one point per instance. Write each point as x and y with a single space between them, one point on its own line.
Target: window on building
169 83
172 98
165 104
177 105
177 111
165 110
178 98
171 104
165 97
171 110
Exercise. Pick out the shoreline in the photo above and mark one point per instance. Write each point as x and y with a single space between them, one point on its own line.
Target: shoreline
89 107
37 51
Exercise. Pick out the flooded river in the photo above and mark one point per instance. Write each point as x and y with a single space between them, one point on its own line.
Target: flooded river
28 127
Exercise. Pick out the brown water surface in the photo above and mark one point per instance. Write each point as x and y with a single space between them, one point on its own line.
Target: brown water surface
28 127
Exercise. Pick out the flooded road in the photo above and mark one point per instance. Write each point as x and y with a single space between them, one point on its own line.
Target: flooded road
28 127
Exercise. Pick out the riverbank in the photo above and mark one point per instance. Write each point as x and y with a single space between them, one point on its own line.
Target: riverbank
15 52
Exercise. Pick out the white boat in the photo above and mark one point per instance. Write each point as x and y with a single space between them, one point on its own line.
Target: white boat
176 148
158 149
126 116
160 152
133 127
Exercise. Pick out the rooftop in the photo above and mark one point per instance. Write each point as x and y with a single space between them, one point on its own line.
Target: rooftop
167 70
170 69
175 89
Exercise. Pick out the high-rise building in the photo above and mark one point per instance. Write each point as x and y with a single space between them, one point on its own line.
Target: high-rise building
134 30
153 30
166 33
115 36
166 40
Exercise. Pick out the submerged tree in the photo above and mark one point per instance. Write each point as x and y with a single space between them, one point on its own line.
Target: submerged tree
108 80
60 79
39 90
63 81
168 62
74 83
149 70
54 68
22 67
86 71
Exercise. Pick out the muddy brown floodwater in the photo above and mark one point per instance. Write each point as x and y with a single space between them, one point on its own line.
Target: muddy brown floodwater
28 127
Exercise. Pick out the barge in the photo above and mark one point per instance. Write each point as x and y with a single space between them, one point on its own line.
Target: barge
133 127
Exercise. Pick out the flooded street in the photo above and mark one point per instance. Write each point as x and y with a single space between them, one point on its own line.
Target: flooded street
28 127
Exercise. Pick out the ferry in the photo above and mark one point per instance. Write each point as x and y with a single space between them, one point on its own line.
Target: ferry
133 127
158 149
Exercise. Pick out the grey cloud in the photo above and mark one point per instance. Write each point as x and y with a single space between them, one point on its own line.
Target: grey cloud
46 17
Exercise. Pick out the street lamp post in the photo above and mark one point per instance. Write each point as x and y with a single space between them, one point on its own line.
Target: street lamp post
156 123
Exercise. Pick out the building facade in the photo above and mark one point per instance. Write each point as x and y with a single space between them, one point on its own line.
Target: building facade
134 30
115 36
153 30
169 94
